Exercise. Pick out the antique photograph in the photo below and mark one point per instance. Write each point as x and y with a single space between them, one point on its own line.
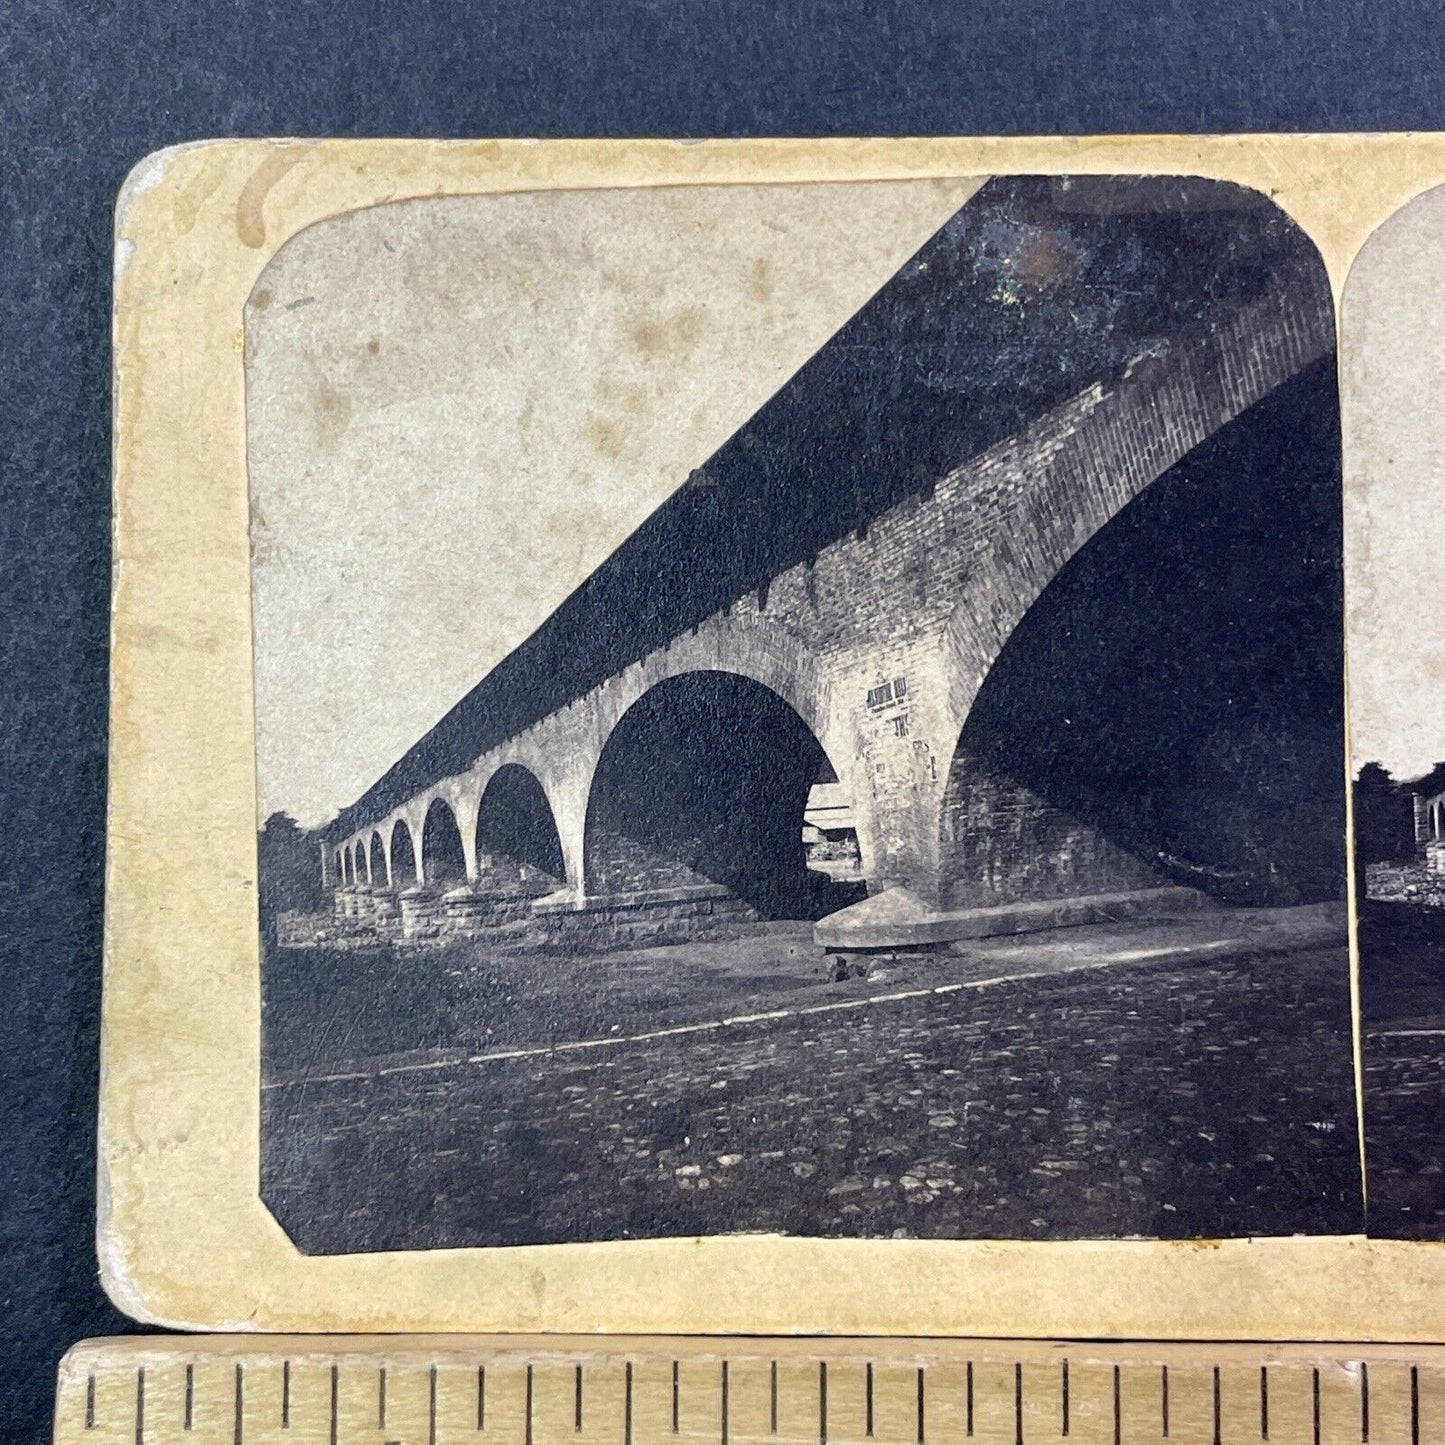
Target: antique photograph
811 709
1394 376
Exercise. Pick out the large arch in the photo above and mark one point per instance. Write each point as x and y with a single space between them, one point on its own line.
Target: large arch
443 860
1169 710
1123 439
705 779
515 826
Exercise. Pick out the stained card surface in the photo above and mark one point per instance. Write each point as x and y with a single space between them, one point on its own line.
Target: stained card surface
801 709
1395 374
771 706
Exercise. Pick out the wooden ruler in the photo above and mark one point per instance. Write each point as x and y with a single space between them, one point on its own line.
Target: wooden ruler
546 1390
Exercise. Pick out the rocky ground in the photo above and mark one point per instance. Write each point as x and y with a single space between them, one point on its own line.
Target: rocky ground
1405 883
1177 1095
1402 994
1404 1134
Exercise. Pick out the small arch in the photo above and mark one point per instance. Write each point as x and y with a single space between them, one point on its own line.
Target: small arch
376 859
403 856
443 861
516 830
338 863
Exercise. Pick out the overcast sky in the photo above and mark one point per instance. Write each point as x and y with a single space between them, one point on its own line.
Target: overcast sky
457 408
1394 422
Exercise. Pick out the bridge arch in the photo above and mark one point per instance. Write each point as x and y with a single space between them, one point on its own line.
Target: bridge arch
752 647
516 826
1113 443
443 859
376 861
401 854
1168 710
704 779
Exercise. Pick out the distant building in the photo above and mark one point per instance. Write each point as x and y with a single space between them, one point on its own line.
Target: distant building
1428 796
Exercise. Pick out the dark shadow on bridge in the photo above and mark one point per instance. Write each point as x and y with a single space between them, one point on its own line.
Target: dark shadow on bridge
443 861
377 857
1035 288
515 822
1171 709
705 780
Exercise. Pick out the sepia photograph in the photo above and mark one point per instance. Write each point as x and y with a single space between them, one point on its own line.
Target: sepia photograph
814 709
1394 374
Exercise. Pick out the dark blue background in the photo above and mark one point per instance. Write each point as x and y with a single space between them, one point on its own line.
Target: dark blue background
87 89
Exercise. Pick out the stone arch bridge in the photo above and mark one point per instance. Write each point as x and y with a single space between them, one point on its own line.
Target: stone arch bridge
660 783
879 646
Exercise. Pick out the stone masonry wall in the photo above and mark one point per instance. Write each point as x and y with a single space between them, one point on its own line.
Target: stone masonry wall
1002 843
881 643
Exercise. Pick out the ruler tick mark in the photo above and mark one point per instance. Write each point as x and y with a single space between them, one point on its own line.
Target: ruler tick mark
175 1389
822 1402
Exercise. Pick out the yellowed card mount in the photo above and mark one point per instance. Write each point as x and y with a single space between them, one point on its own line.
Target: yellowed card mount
369 446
